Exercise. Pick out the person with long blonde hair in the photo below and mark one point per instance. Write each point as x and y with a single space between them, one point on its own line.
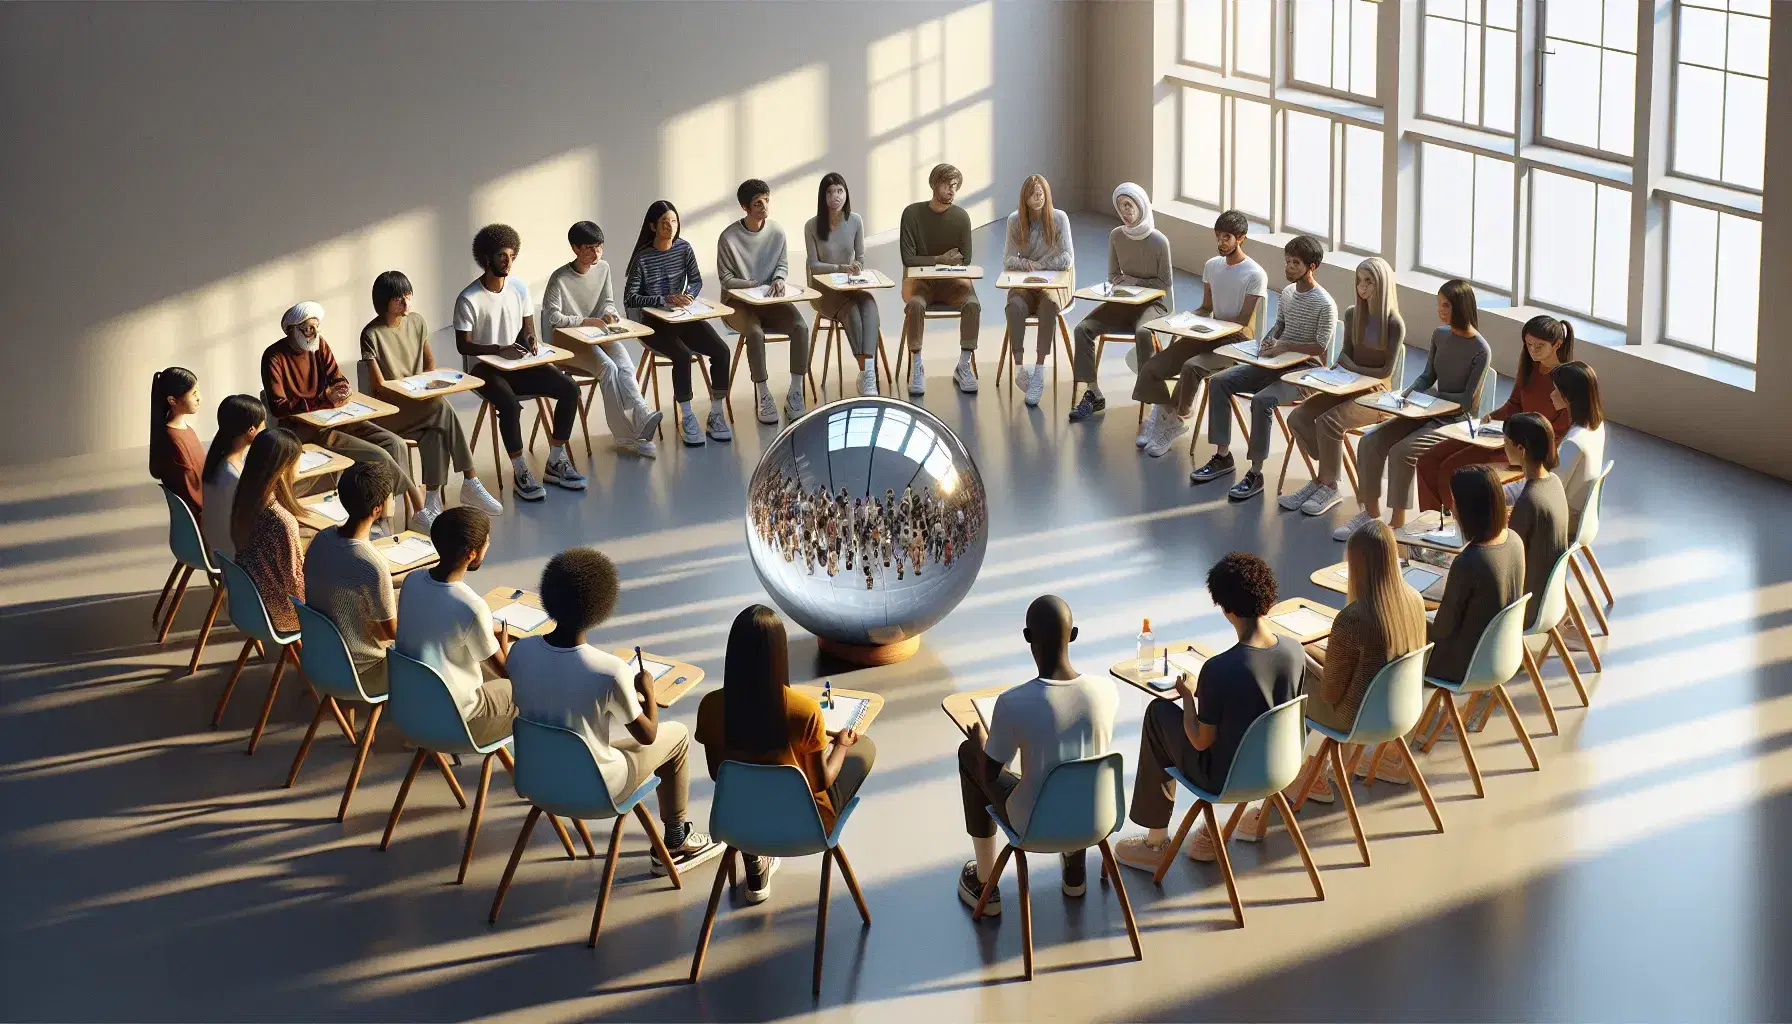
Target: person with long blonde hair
264 524
1038 238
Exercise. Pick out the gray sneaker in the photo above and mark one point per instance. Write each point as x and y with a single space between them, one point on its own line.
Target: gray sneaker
793 402
1298 498
527 487
1321 501
917 378
1171 428
1036 385
689 429
560 473
965 378
718 427
868 380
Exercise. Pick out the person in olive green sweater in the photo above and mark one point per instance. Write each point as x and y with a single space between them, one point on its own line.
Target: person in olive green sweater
938 232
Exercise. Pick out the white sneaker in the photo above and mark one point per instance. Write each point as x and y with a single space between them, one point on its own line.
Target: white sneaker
1036 385
1147 428
768 409
1020 377
473 492
917 377
965 378
650 424
868 380
1321 501
1298 498
793 401
1171 428
643 447
689 429
423 518
1357 522
718 427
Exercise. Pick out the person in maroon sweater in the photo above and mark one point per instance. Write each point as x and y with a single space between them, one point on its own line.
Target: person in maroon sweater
175 454
299 374
1548 343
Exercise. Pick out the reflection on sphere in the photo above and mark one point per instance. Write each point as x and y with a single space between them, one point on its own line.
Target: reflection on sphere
867 521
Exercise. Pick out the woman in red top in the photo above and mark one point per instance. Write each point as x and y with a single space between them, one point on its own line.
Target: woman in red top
1548 343
175 454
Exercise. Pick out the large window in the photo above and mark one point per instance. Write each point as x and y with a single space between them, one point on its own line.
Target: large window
1333 44
1720 90
1226 148
1465 216
1470 60
1589 74
1230 36
1714 277
1580 246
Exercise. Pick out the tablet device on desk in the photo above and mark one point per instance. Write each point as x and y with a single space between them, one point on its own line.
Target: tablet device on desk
1420 577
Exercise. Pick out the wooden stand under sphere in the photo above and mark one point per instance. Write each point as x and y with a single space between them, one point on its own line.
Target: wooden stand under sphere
882 654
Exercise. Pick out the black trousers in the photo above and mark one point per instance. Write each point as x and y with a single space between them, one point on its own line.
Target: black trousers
681 342
506 389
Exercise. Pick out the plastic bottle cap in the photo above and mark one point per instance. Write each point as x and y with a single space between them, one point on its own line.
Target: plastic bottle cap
1147 628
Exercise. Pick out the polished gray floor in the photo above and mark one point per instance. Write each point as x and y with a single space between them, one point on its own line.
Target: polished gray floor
155 873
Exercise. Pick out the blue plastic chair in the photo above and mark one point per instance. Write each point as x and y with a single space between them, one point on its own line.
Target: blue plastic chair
1390 707
1267 761
250 615
1498 655
188 548
324 658
1586 529
425 712
557 774
1080 804
767 810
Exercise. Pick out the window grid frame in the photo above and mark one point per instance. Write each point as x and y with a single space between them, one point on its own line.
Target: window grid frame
1481 64
1530 233
1520 177
1540 85
1290 81
1667 241
1723 127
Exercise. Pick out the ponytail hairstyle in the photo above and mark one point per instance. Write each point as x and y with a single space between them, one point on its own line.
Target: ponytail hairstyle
237 415
267 478
164 387
1559 333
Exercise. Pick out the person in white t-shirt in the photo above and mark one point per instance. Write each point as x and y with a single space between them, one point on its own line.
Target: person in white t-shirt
1060 715
493 316
1233 287
445 624
560 680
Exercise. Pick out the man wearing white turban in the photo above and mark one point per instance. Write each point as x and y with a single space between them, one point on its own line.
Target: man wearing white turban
299 374
1138 258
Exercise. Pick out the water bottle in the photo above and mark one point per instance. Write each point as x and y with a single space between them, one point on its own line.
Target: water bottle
1147 647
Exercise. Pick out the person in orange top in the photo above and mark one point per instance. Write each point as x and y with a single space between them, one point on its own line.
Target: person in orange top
1548 343
175 454
757 718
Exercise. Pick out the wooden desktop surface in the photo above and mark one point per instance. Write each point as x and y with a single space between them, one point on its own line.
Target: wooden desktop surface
679 680
1140 295
324 418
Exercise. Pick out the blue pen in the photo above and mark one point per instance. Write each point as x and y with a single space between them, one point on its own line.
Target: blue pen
827 693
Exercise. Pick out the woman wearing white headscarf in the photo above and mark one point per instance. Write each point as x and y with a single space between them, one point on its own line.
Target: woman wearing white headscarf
1138 257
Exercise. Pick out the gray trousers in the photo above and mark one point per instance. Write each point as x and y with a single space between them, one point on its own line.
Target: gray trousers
1245 378
1044 303
857 312
1394 446
754 322
1319 426
1112 318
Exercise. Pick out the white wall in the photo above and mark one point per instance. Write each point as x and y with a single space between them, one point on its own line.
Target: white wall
174 176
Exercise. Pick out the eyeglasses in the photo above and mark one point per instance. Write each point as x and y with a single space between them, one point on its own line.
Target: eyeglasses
308 328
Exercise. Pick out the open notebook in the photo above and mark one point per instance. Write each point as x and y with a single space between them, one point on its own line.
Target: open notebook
311 461
520 617
840 277
409 551
330 508
349 411
845 713
1303 622
1179 662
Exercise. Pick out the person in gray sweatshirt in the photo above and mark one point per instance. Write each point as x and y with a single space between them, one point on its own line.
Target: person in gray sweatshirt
752 253
835 240
1138 258
579 295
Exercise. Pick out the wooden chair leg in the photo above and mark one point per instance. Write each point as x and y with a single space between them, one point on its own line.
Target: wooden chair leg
1310 774
1300 841
1536 673
1468 752
1580 688
205 630
709 916
1599 574
584 832
155 615
1232 822
404 790
180 591
1225 860
852 885
267 706
989 884
1605 626
1112 869
447 770
323 707
230 684
821 917
1374 764
659 846
1356 758
1418 779
603 887
1188 820
1580 625
361 751
1342 788
1505 699
485 782
516 856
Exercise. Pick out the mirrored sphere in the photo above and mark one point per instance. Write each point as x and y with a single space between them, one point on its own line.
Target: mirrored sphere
867 521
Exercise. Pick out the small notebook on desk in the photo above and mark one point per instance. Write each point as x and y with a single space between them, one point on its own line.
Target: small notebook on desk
409 551
310 461
330 508
1303 622
845 713
1330 376
1179 662
348 411
839 277
520 617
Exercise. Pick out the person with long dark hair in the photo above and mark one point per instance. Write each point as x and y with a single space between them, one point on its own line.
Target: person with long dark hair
240 419
663 274
264 525
1548 343
757 718
1582 448
835 241
1540 509
1487 576
175 455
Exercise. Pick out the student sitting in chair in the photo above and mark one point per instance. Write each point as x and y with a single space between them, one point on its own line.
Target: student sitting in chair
348 580
1582 448
663 274
445 624
299 374
757 718
835 241
240 419
1200 737
561 680
395 345
1059 715
1540 509
1038 238
175 455
1306 322
578 295
932 233
1138 257
752 252
1486 577
264 525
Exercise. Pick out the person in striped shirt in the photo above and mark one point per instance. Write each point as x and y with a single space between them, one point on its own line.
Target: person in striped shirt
663 274
1306 322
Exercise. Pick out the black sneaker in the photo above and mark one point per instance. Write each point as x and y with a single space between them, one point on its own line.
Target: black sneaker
1090 404
1076 872
1248 488
1216 467
970 890
696 848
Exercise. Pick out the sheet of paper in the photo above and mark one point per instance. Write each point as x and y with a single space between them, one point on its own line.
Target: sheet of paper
847 713
330 508
1303 622
421 382
986 709
1332 376
1449 536
764 291
309 461
409 551
521 617
1419 577
841 277
1249 348
349 411
655 669
1422 400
